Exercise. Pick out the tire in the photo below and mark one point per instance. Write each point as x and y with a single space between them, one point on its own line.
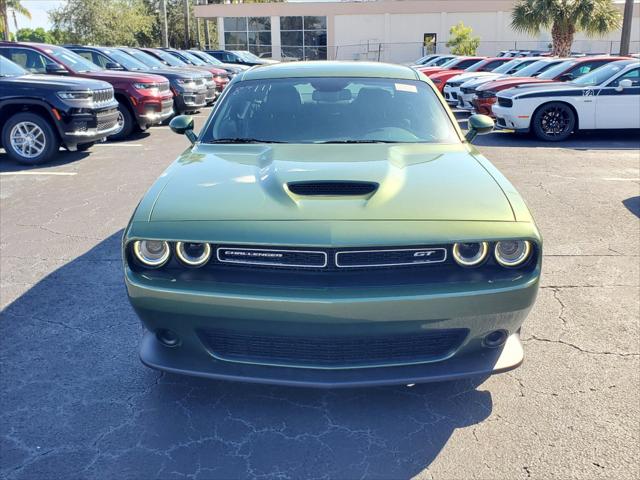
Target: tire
554 122
29 138
126 120
83 147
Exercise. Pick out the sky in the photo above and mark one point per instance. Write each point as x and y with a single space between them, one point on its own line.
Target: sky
39 9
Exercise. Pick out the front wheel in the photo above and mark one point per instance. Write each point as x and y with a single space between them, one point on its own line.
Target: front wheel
124 122
554 122
29 138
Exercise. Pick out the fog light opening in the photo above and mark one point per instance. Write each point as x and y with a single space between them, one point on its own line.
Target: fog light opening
495 339
168 338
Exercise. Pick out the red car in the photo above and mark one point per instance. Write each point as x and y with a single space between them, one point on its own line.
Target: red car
563 72
143 99
457 64
488 64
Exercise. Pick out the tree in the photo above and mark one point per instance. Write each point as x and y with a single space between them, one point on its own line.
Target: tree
565 18
15 6
38 35
461 42
113 22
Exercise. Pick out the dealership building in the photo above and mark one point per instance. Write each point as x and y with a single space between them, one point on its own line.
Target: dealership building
386 30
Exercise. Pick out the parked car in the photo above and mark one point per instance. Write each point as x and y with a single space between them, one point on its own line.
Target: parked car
220 74
456 64
232 70
40 113
606 98
188 87
440 78
424 60
436 62
143 98
239 57
212 89
452 88
468 88
385 249
485 95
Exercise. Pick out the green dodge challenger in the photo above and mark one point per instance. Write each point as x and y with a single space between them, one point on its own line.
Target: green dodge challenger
332 226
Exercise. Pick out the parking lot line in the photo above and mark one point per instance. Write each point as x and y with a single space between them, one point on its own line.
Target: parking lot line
123 144
38 173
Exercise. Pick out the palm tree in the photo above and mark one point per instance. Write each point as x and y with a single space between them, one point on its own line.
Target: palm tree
17 7
565 18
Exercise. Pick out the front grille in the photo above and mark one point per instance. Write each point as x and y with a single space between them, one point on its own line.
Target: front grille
101 97
164 87
343 351
505 102
486 94
332 188
199 81
106 120
467 90
454 95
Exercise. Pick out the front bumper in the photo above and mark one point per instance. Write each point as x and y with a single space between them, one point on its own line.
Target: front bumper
153 110
484 106
451 95
78 128
190 100
388 311
465 101
507 118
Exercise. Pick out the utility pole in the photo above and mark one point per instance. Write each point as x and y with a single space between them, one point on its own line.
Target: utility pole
198 44
187 26
163 23
207 34
625 38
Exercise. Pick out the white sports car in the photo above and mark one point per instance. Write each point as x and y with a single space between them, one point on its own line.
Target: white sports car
606 98
466 90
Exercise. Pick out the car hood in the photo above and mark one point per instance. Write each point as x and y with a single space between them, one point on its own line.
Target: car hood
114 76
503 84
471 76
56 82
560 87
248 182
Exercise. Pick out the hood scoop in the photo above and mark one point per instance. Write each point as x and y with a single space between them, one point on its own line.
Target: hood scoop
332 188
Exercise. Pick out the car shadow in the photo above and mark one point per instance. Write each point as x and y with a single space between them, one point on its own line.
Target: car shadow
77 402
63 157
582 140
633 205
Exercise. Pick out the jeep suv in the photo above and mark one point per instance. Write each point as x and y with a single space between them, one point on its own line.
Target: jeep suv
39 113
143 99
188 86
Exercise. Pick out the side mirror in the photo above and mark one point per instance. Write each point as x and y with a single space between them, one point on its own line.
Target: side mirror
478 125
113 66
183 125
56 69
626 83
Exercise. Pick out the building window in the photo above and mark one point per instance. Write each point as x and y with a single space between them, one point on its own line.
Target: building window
303 38
248 33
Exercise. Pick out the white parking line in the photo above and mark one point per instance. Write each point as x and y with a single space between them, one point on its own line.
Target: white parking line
38 173
124 144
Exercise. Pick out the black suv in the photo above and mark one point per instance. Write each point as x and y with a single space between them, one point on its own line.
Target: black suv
39 113
188 86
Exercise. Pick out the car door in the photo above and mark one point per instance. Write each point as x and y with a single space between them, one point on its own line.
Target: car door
619 109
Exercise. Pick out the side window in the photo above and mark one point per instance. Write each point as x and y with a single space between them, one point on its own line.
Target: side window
467 63
28 59
100 60
84 54
633 75
229 58
491 65
584 68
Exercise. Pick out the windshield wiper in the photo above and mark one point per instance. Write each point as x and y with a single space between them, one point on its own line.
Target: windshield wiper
360 141
241 140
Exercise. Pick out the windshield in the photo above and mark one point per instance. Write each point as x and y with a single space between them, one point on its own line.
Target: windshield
127 61
72 60
557 70
170 59
600 75
10 69
536 67
145 58
330 110
506 66
248 56
206 57
192 58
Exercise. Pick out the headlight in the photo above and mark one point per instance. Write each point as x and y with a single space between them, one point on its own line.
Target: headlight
220 78
186 83
75 95
470 254
512 253
193 254
152 253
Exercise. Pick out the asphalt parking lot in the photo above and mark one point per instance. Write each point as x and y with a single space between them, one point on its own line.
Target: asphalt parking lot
77 403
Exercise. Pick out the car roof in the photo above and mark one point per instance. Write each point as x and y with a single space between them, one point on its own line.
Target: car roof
330 69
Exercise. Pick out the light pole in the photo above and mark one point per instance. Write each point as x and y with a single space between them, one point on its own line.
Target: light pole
163 23
187 26
625 38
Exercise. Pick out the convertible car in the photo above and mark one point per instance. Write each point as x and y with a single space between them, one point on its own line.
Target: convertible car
332 226
606 98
